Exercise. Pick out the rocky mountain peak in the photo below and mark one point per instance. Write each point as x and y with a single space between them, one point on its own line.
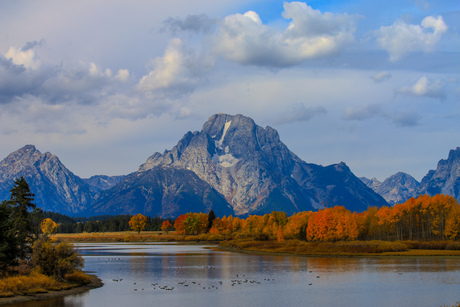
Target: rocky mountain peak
445 179
251 167
55 187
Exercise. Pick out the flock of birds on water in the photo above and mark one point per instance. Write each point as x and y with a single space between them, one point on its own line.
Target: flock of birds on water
239 280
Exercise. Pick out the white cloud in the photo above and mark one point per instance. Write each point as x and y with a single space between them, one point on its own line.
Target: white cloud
400 38
25 76
28 58
310 34
177 72
424 88
122 75
381 76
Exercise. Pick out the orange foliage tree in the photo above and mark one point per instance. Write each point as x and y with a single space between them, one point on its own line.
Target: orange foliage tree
166 226
179 225
138 222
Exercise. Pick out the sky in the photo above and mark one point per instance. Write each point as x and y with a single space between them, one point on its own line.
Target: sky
103 84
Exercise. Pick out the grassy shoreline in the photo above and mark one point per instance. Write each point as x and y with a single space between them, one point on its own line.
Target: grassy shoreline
54 291
288 247
338 249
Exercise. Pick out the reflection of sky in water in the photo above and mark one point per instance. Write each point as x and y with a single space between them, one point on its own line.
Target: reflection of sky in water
194 275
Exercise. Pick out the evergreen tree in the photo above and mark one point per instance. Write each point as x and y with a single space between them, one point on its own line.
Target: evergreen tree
25 217
8 242
211 218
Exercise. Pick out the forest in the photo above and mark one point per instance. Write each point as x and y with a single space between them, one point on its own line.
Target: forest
101 223
425 218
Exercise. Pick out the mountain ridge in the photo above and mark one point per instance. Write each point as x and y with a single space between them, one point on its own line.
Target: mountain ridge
231 158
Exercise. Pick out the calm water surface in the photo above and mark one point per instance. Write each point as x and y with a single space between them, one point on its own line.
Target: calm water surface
195 275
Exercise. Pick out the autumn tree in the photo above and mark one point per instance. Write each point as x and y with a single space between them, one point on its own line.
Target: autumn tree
166 226
55 259
138 222
48 226
179 224
196 223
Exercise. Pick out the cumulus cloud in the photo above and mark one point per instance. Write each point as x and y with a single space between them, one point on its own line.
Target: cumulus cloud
26 55
243 38
193 23
178 72
424 88
299 113
400 38
23 77
381 76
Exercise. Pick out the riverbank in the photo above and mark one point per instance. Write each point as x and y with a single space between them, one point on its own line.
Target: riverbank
287 247
50 294
337 249
132 236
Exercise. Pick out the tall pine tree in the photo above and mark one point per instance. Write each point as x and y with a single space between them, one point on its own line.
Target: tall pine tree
25 217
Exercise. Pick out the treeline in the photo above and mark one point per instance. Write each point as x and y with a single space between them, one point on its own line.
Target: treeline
102 223
422 218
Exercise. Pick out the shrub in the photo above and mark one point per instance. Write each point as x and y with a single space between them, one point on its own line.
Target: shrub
32 283
55 260
77 277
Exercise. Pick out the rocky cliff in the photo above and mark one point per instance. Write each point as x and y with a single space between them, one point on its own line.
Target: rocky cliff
445 179
55 187
395 189
99 183
257 173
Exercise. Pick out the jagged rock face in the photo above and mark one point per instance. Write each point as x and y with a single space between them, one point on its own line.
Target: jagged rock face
395 189
166 192
99 183
445 179
55 187
257 173
371 183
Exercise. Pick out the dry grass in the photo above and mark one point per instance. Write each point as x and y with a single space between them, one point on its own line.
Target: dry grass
77 277
131 236
35 282
434 245
342 248
29 284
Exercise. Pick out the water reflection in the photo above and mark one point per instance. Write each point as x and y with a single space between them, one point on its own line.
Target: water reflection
192 275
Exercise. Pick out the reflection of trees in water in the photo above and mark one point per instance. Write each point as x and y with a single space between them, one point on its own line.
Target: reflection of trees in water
69 301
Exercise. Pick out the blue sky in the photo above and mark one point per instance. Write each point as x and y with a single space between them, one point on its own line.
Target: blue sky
105 84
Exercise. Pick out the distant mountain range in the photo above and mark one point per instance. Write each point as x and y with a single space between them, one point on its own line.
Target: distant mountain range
231 166
401 186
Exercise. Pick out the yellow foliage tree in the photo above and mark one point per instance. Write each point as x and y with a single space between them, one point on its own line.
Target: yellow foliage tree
48 226
138 222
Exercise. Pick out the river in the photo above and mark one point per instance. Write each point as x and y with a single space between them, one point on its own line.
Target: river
195 275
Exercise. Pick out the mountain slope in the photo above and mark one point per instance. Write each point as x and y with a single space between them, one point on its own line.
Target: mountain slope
102 182
395 189
55 187
257 173
166 192
445 179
